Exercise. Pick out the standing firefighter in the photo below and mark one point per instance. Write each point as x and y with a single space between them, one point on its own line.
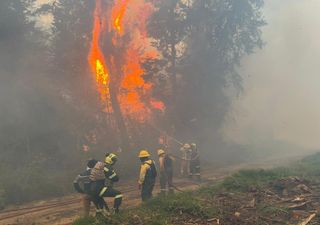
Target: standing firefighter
148 174
103 176
195 162
166 172
186 156
82 185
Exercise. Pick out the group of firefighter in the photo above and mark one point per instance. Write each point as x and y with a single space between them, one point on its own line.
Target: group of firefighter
97 181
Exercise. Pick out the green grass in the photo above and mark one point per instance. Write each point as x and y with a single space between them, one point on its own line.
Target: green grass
162 211
158 211
245 180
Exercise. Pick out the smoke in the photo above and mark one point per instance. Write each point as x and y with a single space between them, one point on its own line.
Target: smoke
281 98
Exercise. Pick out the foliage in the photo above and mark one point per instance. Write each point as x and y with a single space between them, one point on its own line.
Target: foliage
203 41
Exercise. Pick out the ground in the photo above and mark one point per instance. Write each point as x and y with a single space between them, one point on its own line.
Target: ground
62 211
282 195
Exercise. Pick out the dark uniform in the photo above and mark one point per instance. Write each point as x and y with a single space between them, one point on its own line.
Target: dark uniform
166 173
147 179
103 176
195 163
82 185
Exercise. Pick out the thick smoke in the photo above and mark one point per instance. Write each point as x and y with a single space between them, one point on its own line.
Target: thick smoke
280 101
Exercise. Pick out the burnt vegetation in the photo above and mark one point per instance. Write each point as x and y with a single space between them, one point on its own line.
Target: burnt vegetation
49 106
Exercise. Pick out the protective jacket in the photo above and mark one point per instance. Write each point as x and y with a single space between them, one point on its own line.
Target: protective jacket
110 174
102 177
148 171
147 179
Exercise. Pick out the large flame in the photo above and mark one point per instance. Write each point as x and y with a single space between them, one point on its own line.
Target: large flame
118 12
134 93
97 61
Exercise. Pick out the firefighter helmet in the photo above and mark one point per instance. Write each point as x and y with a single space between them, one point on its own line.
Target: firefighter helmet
161 152
186 145
144 153
111 158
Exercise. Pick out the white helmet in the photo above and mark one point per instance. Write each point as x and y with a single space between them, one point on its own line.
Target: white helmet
186 145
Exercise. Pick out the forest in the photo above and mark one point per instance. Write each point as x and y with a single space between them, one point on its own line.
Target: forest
81 78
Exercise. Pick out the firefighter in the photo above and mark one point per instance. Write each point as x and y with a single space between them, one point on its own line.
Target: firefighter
166 172
186 156
148 174
195 162
103 176
82 185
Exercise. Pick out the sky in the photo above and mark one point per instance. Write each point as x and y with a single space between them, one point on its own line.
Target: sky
281 98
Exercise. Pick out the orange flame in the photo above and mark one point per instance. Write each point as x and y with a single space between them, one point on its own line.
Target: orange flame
118 12
135 94
97 61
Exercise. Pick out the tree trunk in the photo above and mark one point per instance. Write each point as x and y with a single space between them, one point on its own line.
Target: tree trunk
124 137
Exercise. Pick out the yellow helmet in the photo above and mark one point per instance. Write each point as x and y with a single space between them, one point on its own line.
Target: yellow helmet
144 153
160 152
110 158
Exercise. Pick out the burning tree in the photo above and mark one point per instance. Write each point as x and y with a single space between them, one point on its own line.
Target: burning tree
151 57
118 48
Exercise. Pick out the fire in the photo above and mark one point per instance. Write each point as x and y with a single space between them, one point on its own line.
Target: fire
134 94
118 12
158 105
97 61
102 76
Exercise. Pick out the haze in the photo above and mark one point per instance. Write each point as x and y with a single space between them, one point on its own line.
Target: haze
281 94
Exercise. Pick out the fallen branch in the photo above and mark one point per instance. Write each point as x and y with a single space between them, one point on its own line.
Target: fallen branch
214 220
306 221
298 206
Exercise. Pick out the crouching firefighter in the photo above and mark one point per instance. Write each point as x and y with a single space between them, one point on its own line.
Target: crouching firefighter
148 174
103 176
82 185
166 172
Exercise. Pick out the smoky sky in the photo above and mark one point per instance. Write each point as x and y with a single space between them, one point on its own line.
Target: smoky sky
281 98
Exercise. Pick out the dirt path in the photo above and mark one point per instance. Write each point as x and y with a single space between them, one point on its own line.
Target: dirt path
64 210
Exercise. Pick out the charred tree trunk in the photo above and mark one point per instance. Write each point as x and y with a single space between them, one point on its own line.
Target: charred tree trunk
124 137
173 52
173 65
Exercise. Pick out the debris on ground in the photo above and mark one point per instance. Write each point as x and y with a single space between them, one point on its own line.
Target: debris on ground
290 200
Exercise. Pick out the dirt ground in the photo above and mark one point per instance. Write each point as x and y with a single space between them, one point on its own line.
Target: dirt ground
64 210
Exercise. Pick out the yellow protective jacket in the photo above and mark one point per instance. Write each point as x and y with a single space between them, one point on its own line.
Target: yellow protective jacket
147 170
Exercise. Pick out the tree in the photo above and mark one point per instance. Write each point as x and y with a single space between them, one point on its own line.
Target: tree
213 36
